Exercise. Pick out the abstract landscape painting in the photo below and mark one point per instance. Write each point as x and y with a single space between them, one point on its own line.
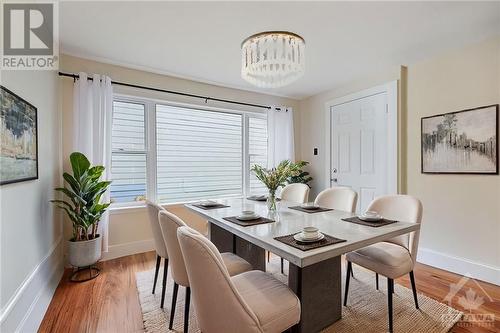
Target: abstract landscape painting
18 139
461 142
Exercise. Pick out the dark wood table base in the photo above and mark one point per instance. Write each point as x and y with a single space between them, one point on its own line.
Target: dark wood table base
318 286
319 289
228 242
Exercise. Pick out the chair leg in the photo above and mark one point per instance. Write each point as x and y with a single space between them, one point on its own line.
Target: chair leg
268 256
347 278
158 261
414 287
390 291
282 263
164 285
376 279
174 302
186 309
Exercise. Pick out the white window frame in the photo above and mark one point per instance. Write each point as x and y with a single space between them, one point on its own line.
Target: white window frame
123 99
150 142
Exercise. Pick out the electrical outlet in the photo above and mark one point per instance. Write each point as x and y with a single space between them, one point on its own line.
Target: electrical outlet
315 151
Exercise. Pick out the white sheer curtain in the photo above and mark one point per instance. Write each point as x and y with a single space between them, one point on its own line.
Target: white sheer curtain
92 112
280 137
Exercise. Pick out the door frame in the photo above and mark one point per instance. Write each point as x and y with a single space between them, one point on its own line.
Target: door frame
391 90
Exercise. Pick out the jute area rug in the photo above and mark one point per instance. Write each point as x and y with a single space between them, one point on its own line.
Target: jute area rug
366 310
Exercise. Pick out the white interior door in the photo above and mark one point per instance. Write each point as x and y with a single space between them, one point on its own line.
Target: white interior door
359 147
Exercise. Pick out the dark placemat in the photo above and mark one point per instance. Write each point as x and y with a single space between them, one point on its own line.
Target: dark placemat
260 220
289 240
380 223
210 207
310 211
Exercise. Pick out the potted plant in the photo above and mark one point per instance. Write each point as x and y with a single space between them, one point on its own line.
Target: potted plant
84 209
276 177
302 177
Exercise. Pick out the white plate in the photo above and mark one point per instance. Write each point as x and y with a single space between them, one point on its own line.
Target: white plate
370 218
247 217
208 203
299 238
309 207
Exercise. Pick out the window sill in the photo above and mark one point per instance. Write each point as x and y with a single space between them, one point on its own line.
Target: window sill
117 210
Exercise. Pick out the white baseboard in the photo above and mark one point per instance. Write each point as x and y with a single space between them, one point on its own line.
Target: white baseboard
25 310
126 249
459 265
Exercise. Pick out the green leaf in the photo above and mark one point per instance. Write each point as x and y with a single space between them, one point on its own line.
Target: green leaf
67 204
79 164
95 172
72 216
72 195
73 183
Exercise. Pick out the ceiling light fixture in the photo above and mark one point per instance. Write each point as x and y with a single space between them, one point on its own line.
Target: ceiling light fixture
272 59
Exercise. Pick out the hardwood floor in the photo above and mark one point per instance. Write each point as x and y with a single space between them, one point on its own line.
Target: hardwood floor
110 303
435 283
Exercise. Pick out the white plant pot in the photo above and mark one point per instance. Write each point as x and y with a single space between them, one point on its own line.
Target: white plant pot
84 253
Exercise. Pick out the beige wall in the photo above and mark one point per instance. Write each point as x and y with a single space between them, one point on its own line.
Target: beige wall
30 227
130 227
312 122
461 212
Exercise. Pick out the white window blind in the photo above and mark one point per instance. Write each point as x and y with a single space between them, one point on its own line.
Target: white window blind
257 151
128 160
199 154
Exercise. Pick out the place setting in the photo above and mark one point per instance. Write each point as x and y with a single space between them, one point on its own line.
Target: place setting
247 218
369 218
209 204
310 207
262 198
308 239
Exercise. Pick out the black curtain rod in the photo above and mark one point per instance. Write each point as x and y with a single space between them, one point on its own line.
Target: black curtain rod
206 98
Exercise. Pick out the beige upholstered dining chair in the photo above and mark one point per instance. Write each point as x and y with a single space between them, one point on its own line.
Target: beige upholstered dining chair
169 224
395 257
160 248
248 302
338 197
295 193
298 193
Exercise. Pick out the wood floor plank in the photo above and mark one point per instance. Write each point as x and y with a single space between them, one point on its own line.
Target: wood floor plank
110 302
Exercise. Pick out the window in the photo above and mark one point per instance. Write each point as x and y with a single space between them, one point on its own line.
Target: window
128 159
199 154
192 154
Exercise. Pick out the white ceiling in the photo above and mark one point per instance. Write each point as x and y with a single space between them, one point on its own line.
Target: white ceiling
201 40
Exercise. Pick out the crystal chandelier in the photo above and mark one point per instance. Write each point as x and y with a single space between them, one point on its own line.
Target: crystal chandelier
272 59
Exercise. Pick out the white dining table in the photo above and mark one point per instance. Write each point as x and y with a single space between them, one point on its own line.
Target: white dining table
314 275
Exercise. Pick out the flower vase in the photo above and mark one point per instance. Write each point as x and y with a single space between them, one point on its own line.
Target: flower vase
271 201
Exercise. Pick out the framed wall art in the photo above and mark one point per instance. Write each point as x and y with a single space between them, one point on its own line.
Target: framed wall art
18 139
461 142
